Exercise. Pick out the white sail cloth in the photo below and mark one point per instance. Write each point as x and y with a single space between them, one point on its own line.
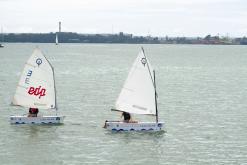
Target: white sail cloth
36 87
138 93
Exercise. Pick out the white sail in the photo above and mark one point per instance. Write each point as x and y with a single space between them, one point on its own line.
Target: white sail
56 40
138 93
36 87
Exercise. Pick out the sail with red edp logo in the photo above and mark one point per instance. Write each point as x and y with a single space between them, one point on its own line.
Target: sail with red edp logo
37 91
36 87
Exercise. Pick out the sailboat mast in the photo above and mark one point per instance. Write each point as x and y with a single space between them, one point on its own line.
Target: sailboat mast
55 90
154 84
155 95
148 68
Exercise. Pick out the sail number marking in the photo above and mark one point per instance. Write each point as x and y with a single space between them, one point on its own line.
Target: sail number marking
29 74
37 91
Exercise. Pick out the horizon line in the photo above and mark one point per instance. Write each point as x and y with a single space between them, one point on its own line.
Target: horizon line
149 35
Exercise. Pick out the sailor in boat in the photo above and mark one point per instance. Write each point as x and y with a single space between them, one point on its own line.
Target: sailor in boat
126 116
33 112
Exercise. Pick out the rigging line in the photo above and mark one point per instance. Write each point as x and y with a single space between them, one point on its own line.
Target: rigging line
154 85
148 67
55 90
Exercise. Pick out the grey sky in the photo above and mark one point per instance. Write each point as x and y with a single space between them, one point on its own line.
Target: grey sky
139 17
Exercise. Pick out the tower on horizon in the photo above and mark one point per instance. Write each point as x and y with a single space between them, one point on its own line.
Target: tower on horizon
59 27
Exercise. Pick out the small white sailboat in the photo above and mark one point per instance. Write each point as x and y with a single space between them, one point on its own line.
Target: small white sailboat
138 96
2 36
56 40
36 89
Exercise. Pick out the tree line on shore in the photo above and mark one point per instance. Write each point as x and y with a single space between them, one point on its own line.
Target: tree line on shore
70 37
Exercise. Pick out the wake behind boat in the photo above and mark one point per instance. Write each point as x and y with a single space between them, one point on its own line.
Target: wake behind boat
36 90
138 96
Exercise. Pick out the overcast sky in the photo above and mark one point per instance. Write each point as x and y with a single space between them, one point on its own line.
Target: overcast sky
139 17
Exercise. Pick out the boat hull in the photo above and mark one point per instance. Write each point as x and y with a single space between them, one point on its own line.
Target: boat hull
36 120
138 126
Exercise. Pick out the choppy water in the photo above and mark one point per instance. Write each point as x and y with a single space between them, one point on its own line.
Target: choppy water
202 100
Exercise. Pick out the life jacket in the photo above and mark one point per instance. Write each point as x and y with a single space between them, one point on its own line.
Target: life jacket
33 110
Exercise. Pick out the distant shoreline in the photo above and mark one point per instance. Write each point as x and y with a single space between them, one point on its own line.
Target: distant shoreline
120 38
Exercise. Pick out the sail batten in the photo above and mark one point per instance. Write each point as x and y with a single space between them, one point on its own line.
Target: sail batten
36 87
138 93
